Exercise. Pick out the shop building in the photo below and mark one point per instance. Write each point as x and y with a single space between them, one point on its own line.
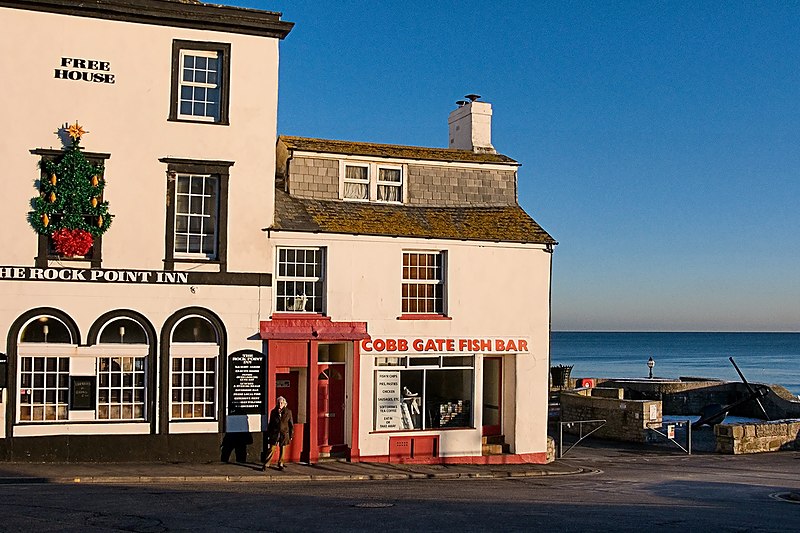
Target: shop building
411 300
130 348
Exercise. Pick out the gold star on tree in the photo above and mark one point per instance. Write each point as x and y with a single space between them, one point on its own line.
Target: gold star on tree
76 131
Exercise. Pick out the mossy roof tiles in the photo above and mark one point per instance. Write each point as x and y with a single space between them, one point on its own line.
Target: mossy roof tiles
329 146
499 223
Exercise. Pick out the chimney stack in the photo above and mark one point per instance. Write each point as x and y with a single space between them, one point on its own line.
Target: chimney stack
471 125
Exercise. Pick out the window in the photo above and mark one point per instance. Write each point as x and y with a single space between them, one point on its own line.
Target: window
428 392
423 283
44 389
197 212
200 82
121 388
356 182
44 379
196 209
123 344
194 355
300 280
372 181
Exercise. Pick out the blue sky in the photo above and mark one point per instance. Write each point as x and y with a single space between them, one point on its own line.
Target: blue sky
660 141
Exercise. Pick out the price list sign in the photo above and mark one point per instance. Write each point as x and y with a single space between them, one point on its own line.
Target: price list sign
246 375
387 397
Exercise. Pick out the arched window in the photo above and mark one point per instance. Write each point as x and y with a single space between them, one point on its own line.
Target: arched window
121 365
194 360
44 369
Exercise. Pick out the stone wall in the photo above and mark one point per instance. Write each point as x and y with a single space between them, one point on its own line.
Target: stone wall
450 187
427 185
626 420
756 438
311 177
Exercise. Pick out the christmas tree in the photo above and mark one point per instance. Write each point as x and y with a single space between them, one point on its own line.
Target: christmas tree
68 207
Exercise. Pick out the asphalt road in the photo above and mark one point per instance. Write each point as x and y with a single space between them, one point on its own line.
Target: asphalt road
623 490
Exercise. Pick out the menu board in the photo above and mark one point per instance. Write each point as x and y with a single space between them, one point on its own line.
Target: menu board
387 399
82 393
246 382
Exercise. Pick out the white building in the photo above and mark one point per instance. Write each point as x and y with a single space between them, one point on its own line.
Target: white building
397 296
133 340
411 293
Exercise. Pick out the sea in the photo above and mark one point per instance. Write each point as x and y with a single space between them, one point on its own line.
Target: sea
770 358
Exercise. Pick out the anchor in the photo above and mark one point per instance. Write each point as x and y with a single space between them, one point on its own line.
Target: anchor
715 413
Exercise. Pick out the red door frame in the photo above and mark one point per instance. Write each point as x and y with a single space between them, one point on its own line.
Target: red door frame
293 341
494 429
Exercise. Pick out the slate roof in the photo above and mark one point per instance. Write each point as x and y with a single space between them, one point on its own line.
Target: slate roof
307 144
500 223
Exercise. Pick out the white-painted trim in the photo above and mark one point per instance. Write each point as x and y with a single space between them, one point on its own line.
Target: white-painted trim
193 349
206 426
291 238
406 161
98 428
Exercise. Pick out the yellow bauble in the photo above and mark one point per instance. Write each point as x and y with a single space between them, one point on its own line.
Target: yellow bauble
52 197
94 202
99 222
95 181
53 179
45 220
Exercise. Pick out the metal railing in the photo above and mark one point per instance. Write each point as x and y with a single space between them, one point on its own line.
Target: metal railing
581 436
669 433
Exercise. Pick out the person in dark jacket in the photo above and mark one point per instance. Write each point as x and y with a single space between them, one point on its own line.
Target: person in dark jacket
280 431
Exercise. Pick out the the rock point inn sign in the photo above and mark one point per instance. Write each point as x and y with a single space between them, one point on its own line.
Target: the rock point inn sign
97 275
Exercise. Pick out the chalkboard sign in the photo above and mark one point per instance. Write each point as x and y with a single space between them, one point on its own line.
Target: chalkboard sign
82 393
246 369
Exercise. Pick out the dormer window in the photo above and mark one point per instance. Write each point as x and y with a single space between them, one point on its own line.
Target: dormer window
371 182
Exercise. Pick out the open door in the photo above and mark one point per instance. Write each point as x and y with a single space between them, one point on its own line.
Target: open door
492 395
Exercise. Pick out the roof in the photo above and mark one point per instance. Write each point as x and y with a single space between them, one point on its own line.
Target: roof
328 146
499 223
177 13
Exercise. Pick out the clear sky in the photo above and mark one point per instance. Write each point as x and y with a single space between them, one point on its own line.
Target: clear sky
659 141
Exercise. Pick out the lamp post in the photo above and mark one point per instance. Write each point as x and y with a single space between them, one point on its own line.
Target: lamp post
650 364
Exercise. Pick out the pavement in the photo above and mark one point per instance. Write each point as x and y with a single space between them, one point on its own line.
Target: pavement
130 473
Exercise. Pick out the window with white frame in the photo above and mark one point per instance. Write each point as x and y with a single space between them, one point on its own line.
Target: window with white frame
423 282
122 370
372 182
196 212
194 355
300 280
200 81
423 392
43 374
44 389
356 182
121 388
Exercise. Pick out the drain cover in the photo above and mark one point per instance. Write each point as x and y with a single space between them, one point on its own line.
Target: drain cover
792 497
373 505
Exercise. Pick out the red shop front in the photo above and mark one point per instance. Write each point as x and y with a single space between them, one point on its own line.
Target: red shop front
313 362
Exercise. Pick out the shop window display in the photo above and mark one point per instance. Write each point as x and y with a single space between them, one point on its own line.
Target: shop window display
418 393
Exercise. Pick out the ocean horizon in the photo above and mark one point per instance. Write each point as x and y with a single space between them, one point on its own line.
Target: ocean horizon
763 357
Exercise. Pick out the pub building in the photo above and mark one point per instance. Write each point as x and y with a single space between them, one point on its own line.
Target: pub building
169 269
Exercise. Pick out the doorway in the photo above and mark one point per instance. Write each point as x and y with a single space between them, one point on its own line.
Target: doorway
492 395
331 407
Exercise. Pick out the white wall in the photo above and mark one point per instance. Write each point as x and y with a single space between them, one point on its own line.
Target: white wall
128 119
493 290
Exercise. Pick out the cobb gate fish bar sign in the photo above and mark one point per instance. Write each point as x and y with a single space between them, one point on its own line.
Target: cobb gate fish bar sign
443 345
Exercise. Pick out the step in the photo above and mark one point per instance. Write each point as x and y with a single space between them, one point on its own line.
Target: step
493 439
495 449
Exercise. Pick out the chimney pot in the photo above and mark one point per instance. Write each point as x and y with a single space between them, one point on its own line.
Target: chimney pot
471 125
